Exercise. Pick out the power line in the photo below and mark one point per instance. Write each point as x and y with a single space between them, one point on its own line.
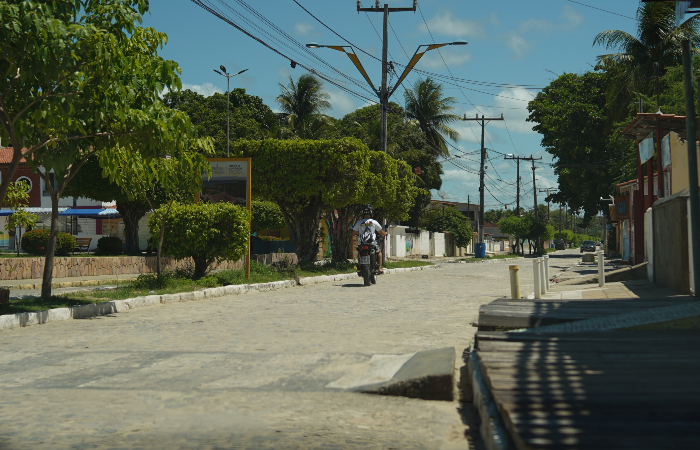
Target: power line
604 10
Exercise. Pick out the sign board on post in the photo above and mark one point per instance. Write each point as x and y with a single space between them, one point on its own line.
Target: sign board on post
646 148
230 182
622 207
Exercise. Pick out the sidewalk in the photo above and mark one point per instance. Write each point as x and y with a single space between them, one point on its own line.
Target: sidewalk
619 290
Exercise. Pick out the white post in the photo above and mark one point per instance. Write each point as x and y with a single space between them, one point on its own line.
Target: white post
514 282
601 268
543 281
546 271
536 273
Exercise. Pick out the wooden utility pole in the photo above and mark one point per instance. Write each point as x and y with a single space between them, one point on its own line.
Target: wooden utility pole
547 190
384 91
483 121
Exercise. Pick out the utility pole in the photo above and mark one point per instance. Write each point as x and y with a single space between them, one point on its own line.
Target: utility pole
383 90
224 73
547 190
517 198
483 121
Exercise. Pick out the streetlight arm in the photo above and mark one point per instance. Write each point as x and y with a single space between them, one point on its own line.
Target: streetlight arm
355 60
416 57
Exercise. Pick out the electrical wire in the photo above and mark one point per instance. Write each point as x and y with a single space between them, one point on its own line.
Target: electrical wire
604 10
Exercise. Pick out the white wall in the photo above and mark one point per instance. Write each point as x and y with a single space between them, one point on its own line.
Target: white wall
437 244
397 241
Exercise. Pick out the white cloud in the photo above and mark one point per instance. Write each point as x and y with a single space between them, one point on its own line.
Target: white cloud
206 89
518 44
446 23
303 28
572 16
454 56
509 102
342 103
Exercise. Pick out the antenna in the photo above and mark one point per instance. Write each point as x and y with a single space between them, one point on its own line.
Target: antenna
443 195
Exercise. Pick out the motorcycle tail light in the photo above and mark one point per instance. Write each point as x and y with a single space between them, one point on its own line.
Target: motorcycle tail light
364 247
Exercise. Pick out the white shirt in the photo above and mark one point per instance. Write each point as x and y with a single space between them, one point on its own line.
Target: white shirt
367 229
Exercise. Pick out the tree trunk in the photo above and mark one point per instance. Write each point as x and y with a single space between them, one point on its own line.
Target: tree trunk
131 213
200 267
50 248
340 234
304 227
159 271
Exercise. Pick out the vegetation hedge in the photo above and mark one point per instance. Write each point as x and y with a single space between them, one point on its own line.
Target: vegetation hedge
109 245
34 242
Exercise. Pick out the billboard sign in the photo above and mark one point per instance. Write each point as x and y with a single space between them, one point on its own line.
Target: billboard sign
229 182
646 148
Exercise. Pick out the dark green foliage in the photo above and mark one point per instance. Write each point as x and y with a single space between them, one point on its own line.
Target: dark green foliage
266 216
572 117
439 219
205 232
34 242
250 117
109 245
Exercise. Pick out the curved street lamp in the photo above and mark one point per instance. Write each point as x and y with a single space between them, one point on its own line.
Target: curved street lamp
223 73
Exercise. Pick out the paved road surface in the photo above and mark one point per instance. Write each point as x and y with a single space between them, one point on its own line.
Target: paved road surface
245 372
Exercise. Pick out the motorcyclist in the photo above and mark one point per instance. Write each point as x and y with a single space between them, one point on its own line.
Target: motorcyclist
369 227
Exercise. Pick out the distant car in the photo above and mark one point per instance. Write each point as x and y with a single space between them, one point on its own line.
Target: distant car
587 246
559 244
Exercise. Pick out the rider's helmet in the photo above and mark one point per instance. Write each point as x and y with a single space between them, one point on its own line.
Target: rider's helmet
367 209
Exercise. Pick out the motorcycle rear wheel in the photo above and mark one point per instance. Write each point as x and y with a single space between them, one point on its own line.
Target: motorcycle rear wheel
366 275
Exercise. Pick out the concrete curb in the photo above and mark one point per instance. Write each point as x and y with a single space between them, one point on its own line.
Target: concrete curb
493 431
9 321
428 375
486 261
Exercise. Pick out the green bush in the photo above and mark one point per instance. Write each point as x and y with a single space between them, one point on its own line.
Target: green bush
205 232
109 245
436 219
266 216
34 242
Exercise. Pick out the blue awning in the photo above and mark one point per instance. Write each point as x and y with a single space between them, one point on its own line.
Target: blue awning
33 210
92 213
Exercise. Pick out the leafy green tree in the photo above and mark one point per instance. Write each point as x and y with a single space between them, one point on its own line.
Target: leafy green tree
205 232
658 40
305 102
250 117
81 77
571 115
16 198
495 215
427 105
305 178
389 186
438 219
178 179
92 182
266 216
518 227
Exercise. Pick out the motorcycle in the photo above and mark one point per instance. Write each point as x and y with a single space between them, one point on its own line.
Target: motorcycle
368 263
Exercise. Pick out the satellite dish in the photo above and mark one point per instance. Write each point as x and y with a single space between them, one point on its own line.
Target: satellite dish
443 195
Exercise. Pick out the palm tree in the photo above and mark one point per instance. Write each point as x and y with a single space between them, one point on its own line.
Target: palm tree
432 111
305 102
658 40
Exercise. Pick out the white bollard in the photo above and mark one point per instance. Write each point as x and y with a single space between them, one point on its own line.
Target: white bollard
601 268
546 272
536 274
543 281
514 282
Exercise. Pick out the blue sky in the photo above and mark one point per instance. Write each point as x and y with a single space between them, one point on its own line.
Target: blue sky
515 47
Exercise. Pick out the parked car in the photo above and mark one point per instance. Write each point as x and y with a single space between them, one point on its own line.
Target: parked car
559 244
587 246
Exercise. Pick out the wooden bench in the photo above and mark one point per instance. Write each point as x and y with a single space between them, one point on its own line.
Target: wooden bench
83 244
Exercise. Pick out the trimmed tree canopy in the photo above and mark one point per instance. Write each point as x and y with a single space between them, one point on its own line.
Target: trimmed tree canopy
438 219
206 232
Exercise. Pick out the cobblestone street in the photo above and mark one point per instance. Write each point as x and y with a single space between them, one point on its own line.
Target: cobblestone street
248 371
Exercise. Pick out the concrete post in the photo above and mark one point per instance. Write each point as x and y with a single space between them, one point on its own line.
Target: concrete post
514 282
546 271
536 274
601 268
543 281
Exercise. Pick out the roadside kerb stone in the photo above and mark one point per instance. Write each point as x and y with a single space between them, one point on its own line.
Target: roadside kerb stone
9 321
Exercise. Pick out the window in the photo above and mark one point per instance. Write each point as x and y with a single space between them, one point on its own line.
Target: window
26 180
52 179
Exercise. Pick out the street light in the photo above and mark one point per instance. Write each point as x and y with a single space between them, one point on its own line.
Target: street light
223 73
385 92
